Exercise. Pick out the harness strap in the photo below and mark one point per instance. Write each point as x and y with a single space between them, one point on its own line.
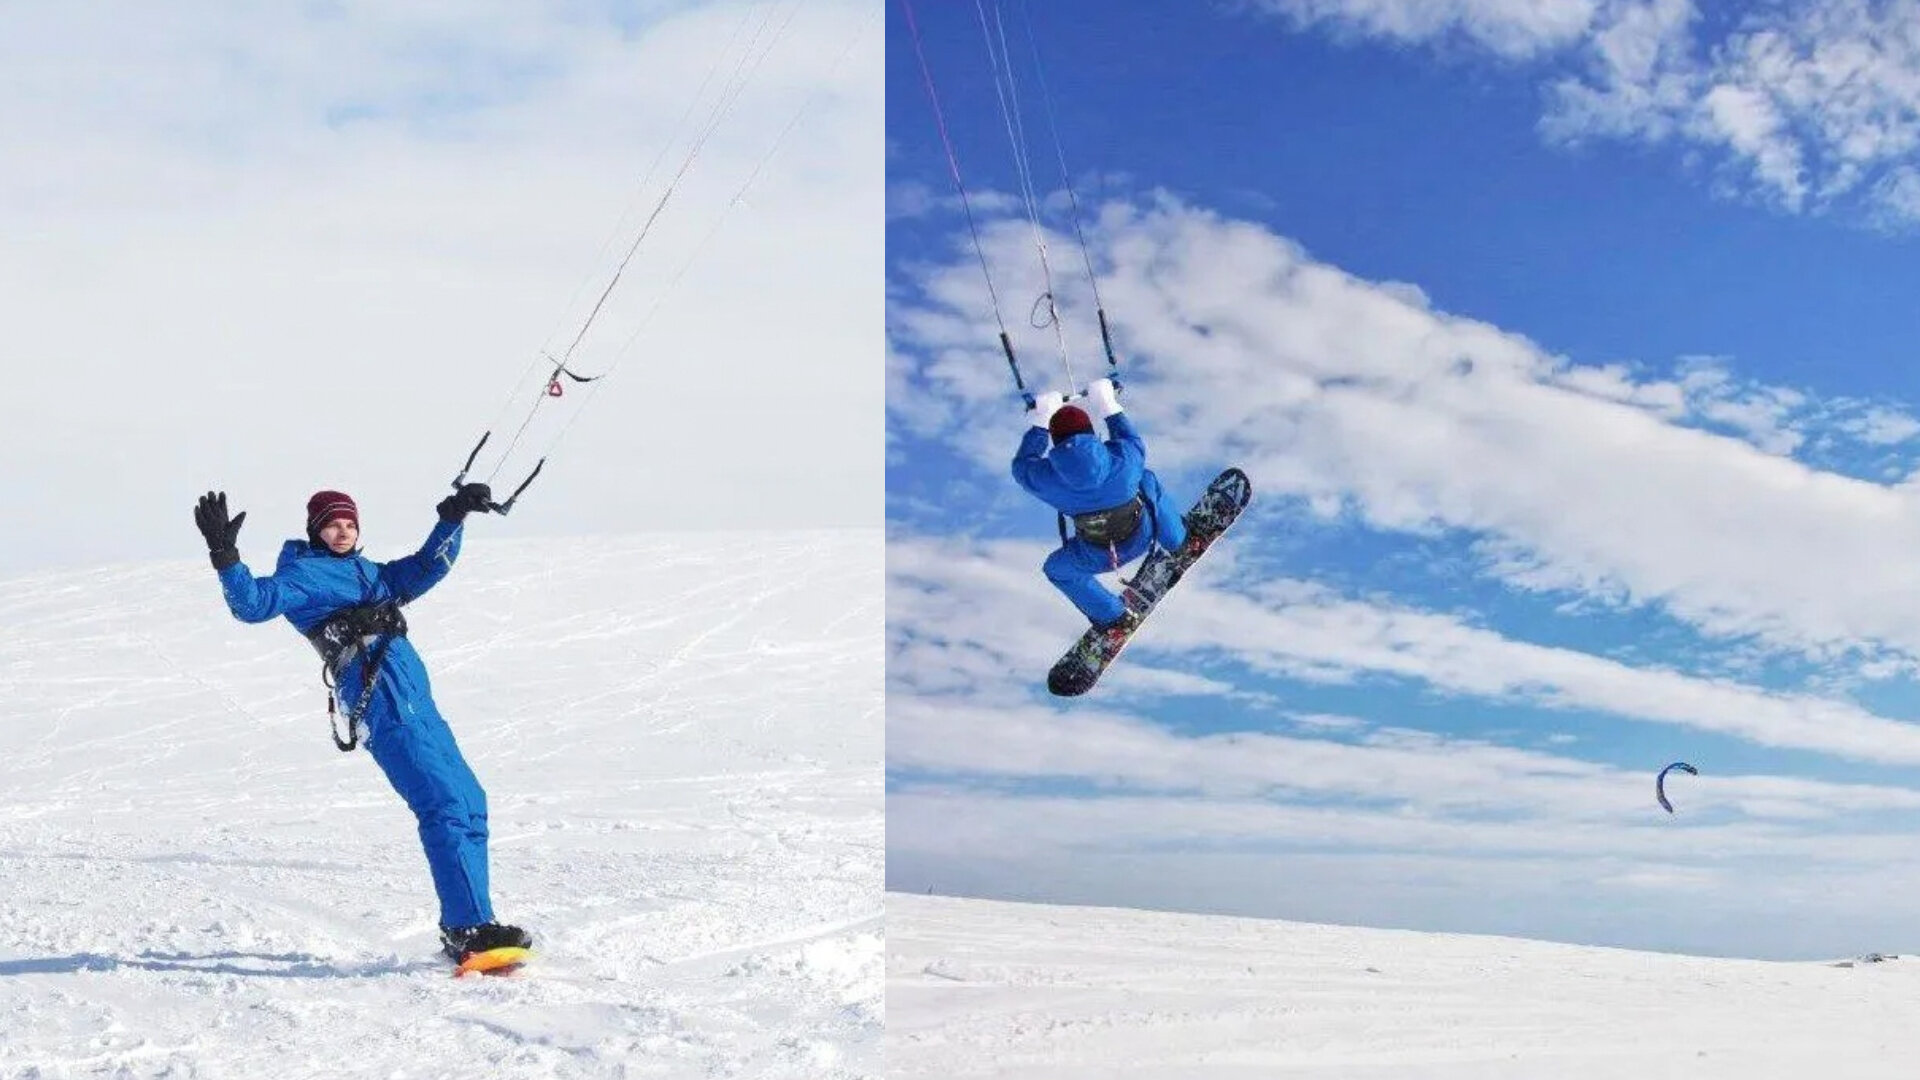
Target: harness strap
1113 547
370 678
340 638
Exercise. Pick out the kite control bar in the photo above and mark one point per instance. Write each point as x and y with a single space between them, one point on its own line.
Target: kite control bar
501 508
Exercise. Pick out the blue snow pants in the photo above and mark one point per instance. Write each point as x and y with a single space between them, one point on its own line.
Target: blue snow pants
1074 566
414 747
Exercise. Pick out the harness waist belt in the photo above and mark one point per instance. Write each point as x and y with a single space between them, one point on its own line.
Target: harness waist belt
1110 526
342 634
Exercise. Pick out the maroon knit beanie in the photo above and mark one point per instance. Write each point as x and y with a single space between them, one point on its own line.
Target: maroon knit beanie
1068 421
328 506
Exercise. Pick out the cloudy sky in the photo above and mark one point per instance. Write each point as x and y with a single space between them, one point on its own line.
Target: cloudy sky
275 248
1570 348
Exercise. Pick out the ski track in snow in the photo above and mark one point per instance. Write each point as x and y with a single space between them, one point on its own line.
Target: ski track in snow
984 988
681 742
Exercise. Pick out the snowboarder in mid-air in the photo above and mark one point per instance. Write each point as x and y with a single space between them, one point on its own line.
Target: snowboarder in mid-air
348 606
1119 513
1116 504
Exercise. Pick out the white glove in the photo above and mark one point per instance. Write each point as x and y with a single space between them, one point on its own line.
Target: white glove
1103 397
1043 408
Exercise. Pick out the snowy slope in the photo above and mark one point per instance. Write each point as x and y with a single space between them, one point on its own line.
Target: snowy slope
681 743
983 988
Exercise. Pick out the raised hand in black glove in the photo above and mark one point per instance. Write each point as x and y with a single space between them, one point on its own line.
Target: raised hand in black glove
471 498
222 533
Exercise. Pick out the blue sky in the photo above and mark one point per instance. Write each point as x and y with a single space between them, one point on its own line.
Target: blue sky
1570 348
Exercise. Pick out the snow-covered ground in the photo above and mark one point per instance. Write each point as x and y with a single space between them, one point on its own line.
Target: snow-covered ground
681 741
983 988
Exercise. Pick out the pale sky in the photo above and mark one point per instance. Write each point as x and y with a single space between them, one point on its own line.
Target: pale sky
275 249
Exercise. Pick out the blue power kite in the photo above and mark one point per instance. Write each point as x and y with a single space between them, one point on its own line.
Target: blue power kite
1660 784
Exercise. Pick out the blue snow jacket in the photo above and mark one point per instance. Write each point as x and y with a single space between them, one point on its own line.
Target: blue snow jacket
310 583
1083 474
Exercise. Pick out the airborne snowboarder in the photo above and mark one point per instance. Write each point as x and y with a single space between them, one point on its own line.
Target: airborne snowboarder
1120 513
1115 502
348 607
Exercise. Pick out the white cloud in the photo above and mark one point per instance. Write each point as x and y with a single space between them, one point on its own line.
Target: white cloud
1805 104
1512 28
1239 347
1423 823
1880 425
1598 882
1327 722
1748 123
1814 102
1638 85
1406 776
972 617
974 824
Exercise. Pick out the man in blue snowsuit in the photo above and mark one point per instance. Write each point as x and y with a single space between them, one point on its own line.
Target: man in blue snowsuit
1116 503
348 606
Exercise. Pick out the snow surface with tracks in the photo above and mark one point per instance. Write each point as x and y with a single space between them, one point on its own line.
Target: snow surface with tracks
681 742
987 988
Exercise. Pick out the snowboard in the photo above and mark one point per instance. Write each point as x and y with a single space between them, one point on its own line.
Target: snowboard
1216 510
502 961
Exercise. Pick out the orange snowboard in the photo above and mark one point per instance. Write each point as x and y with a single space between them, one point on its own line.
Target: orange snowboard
494 961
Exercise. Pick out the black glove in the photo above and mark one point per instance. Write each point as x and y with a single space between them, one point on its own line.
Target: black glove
471 498
221 532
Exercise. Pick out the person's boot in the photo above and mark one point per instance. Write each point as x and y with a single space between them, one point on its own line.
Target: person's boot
461 942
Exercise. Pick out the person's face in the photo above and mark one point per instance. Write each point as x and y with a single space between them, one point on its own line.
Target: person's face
340 535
